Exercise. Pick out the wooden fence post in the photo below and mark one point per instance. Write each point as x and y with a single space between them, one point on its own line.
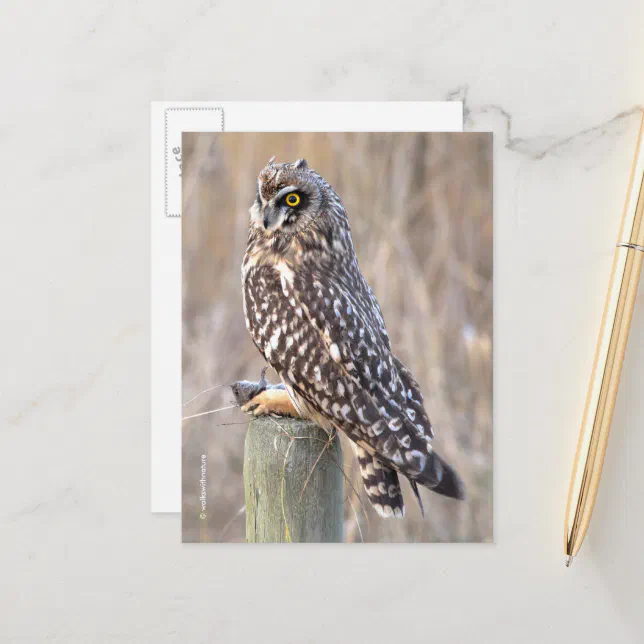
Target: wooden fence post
293 482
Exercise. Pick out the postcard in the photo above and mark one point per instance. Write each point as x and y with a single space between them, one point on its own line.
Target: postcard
337 337
169 120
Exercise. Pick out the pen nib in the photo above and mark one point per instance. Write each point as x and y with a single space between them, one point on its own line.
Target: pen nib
569 560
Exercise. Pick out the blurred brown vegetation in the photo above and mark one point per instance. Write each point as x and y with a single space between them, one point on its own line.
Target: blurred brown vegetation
420 208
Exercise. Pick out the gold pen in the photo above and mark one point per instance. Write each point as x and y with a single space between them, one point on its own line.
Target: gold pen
609 357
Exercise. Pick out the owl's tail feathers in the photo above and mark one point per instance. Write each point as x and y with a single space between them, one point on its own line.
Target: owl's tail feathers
381 485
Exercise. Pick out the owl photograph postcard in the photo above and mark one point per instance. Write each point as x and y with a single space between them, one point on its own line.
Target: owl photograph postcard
337 337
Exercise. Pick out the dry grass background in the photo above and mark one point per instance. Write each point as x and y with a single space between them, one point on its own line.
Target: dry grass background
420 208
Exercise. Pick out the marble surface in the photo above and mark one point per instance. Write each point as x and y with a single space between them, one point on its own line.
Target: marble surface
82 558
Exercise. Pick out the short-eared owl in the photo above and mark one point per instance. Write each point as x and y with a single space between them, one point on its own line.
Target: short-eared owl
315 319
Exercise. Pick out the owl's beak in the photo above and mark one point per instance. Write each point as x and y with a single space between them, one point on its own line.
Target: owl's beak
271 215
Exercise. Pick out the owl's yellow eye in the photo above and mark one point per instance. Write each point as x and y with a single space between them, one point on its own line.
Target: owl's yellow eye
292 199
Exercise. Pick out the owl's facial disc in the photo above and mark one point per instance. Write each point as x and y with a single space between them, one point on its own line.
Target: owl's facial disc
289 210
289 197
286 208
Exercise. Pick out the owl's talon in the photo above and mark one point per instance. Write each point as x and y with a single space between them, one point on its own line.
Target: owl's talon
273 401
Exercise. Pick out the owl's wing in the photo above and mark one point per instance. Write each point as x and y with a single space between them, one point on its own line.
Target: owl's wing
344 367
413 397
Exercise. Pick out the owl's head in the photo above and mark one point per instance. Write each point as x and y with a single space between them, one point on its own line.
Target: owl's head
290 196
